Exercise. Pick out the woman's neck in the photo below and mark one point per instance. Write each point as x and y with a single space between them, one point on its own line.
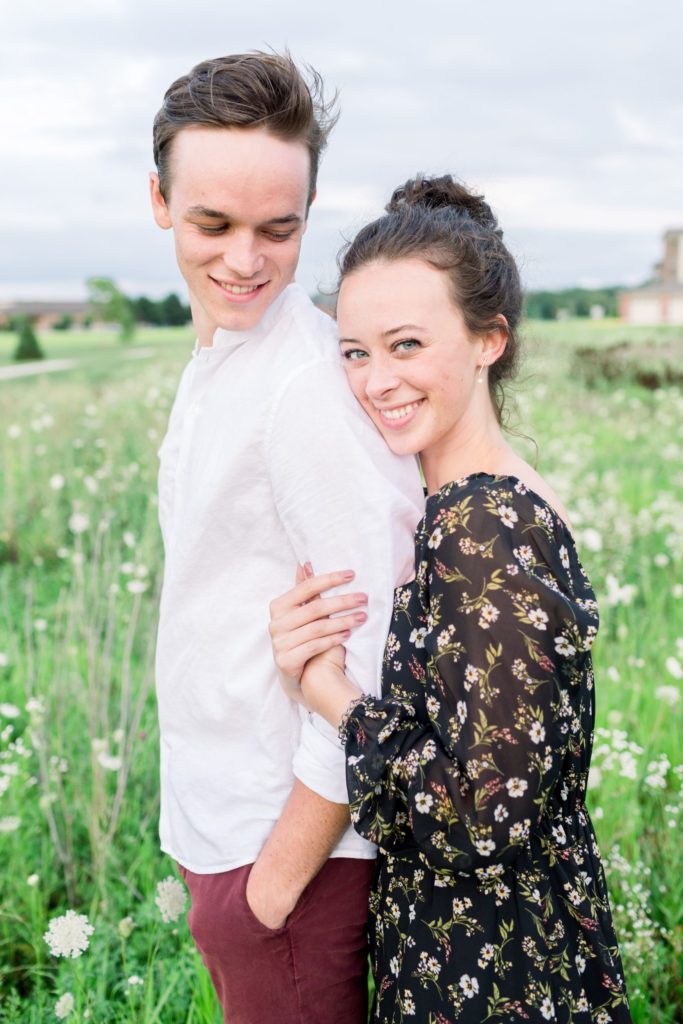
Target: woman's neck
478 449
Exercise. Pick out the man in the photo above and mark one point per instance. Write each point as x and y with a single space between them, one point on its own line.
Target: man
267 461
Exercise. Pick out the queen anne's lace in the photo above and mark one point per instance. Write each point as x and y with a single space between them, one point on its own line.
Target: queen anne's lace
69 935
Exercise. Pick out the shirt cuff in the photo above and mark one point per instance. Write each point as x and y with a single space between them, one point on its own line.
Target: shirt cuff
320 762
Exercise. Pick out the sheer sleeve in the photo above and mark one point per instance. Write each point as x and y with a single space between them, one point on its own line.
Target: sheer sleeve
465 774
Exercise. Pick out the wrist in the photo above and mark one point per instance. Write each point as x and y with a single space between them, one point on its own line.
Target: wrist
328 692
269 898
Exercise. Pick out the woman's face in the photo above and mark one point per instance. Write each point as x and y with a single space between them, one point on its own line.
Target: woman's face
409 358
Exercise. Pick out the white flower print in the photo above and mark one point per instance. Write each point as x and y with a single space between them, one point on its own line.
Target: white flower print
536 732
501 813
462 710
547 1009
435 539
417 637
516 787
470 986
538 618
563 647
507 514
424 802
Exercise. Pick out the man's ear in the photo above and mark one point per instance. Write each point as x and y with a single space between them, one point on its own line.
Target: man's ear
159 207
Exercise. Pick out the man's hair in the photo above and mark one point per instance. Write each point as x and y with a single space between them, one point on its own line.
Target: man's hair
247 90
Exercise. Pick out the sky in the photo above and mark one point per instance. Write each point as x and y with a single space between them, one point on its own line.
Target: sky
569 118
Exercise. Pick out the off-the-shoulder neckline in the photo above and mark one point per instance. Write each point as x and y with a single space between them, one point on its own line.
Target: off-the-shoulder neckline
527 490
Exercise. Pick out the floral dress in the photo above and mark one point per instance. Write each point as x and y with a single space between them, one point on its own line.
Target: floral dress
470 775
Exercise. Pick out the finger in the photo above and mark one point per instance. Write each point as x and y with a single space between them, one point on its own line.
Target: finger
323 644
291 640
317 608
300 573
309 588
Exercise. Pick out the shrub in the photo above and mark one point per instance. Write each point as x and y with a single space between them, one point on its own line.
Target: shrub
27 346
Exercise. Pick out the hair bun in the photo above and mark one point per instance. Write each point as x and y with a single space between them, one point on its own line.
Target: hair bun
442 193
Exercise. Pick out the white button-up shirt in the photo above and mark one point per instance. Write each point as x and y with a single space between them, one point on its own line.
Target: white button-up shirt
268 460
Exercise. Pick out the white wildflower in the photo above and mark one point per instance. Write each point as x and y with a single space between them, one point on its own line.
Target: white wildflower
138 587
57 482
79 522
69 935
32 881
109 761
674 668
9 710
64 1006
668 694
126 926
10 824
40 625
135 979
170 899
14 431
4 659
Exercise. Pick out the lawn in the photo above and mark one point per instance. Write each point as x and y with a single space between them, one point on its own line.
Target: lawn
80 569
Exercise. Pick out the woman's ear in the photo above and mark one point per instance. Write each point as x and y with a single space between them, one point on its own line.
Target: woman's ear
495 340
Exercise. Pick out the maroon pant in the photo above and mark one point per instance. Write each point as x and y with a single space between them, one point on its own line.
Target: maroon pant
311 971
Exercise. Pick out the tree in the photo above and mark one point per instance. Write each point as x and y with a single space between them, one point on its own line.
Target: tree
174 314
27 345
111 305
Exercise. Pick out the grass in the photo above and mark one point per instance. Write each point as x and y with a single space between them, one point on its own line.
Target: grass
80 564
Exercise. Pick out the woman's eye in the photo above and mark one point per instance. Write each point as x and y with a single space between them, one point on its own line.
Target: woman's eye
407 345
354 354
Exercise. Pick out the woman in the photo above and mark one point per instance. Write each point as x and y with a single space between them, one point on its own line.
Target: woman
470 772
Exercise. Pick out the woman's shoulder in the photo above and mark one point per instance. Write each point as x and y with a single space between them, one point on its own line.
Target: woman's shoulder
503 503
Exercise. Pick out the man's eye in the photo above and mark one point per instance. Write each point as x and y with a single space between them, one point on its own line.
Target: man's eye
354 354
212 230
279 236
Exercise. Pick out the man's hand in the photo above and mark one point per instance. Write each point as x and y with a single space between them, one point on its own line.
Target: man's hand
301 841
268 901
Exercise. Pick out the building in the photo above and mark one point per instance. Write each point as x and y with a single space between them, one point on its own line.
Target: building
660 301
44 315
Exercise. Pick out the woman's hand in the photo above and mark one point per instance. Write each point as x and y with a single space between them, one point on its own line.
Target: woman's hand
301 627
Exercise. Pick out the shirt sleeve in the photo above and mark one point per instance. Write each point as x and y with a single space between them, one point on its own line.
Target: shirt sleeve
346 503
466 778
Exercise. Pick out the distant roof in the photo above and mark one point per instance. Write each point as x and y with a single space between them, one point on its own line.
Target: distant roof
42 308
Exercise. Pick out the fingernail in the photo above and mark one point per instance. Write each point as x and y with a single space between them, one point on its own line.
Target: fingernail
346 634
308 569
360 598
360 617
348 574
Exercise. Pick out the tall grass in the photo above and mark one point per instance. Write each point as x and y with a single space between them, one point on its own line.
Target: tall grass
80 566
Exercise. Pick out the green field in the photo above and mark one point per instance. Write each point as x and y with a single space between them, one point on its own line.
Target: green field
80 569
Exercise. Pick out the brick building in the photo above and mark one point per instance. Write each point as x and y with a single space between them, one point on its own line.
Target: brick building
660 301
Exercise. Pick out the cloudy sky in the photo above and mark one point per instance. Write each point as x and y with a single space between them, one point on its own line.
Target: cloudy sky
569 117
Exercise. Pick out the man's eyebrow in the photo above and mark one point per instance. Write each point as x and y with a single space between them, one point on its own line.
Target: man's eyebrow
206 211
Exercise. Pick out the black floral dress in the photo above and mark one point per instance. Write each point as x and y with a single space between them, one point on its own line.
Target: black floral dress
470 775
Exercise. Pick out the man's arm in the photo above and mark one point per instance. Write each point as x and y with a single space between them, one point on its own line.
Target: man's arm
345 503
300 843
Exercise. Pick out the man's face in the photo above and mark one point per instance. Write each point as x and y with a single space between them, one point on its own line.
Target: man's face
237 203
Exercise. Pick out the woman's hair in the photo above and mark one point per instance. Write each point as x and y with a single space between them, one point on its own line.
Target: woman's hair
441 222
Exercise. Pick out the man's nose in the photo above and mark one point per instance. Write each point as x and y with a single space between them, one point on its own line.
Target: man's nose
242 255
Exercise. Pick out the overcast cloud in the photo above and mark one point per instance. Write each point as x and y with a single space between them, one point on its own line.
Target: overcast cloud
569 119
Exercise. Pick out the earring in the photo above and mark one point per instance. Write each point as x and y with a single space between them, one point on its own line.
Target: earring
480 375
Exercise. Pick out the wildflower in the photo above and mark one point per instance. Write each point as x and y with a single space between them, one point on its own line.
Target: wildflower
129 539
79 522
64 1006
10 824
135 979
69 935
40 625
109 761
170 899
591 539
673 667
57 482
4 660
136 587
32 881
668 694
9 710
14 431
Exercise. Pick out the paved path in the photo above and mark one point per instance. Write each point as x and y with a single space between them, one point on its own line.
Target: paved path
53 365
